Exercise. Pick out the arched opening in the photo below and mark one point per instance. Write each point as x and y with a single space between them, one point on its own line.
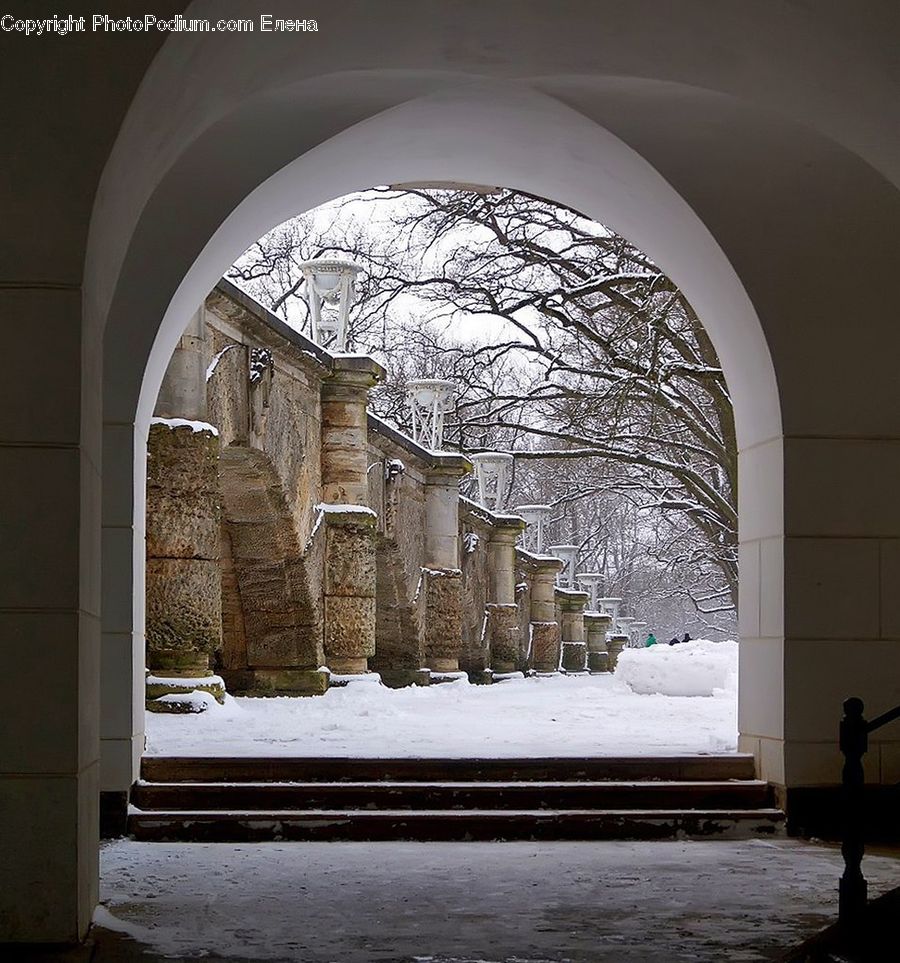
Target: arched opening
476 134
407 637
737 123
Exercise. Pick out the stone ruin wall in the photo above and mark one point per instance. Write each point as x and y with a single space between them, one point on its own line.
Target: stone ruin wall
276 590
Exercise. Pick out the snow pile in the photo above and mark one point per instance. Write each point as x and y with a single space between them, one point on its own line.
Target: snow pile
699 668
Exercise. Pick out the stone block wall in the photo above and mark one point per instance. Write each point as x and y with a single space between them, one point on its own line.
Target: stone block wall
336 539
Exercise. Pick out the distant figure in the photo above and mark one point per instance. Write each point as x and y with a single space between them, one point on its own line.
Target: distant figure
674 641
686 638
651 640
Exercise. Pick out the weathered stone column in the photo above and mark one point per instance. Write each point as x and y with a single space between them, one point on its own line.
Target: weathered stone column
596 625
502 612
348 603
441 585
184 607
345 394
574 648
614 644
542 571
348 586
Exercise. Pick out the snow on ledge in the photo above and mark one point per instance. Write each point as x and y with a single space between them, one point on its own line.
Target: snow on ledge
195 426
337 508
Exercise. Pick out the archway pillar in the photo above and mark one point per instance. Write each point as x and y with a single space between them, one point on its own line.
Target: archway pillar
835 630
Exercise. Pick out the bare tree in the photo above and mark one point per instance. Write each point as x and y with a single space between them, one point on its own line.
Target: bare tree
571 348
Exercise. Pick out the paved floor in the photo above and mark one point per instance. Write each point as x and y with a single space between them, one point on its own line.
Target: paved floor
467 902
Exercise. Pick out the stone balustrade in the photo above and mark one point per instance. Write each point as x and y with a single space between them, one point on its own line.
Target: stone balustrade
310 533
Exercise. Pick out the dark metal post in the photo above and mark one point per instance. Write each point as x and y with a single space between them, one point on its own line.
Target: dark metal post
854 741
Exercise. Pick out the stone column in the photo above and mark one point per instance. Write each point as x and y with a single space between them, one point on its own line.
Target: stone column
614 644
184 597
596 625
441 585
345 394
348 591
574 647
502 611
183 390
348 604
545 633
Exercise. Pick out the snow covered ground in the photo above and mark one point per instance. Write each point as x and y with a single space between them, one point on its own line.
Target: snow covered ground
580 902
624 714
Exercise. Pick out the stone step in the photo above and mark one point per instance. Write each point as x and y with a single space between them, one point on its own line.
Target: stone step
532 795
443 825
686 768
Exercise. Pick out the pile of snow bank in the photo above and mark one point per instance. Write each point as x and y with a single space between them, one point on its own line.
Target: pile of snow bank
700 668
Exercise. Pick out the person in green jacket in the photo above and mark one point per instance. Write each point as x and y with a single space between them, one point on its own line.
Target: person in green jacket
651 640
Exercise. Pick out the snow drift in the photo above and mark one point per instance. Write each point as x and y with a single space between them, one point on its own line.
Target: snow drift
700 668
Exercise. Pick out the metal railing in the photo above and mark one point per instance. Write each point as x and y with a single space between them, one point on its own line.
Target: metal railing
854 742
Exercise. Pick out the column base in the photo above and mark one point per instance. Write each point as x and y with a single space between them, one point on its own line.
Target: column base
351 666
443 665
503 668
276 682
598 662
401 678
574 656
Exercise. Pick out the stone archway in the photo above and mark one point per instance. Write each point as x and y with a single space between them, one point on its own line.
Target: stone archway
766 135
720 186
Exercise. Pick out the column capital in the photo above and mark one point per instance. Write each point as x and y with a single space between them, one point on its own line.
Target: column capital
506 528
353 371
446 468
548 565
571 600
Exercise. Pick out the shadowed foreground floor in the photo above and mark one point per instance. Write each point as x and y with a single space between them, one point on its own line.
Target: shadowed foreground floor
467 902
